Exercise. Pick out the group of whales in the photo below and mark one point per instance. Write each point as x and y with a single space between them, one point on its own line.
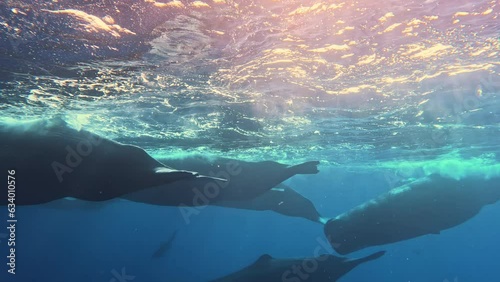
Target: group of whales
53 161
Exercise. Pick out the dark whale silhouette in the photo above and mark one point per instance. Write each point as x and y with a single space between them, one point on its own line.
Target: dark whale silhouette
281 199
245 180
249 186
52 160
425 206
324 268
165 246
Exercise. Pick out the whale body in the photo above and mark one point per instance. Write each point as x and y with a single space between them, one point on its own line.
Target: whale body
281 199
323 268
245 180
50 160
425 206
250 185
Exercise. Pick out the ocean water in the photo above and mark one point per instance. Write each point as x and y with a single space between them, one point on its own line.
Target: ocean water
379 92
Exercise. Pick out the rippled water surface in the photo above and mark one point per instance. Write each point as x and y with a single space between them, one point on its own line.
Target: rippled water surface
408 87
359 80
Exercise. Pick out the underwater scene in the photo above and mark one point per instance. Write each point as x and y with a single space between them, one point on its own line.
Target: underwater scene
249 141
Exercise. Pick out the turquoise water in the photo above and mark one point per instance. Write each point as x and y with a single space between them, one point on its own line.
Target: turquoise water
380 93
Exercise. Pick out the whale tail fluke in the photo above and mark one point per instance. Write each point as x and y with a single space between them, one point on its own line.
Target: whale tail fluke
305 168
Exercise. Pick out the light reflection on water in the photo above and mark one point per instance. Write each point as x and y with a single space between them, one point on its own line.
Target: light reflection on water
360 80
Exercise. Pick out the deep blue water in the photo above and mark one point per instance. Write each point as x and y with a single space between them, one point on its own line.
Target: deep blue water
55 245
378 92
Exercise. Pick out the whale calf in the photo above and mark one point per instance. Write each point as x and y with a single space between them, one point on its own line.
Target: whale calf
281 199
245 180
425 206
323 268
50 160
250 185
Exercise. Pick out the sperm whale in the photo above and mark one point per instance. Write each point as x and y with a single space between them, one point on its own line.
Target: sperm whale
49 160
425 206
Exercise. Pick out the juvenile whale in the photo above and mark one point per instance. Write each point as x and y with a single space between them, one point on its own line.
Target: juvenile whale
281 199
425 206
324 268
245 180
50 160
250 185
